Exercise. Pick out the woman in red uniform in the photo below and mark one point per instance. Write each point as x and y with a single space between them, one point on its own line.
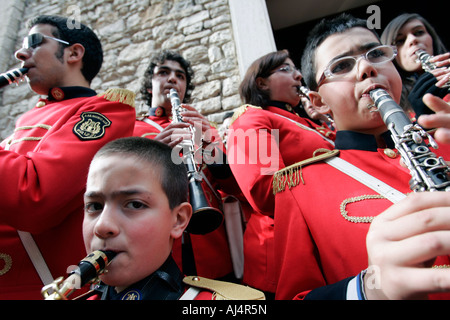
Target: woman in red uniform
268 134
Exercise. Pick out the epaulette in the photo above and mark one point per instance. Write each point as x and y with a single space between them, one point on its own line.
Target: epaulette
119 95
240 111
225 290
292 175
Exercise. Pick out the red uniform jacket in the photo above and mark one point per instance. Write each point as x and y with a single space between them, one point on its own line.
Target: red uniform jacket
43 180
261 142
316 243
211 251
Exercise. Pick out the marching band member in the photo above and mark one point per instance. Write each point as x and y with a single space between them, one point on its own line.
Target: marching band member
351 231
45 162
267 134
209 255
136 206
410 32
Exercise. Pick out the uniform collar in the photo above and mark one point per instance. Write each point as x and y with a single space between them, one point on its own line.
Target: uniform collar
351 140
164 284
64 93
157 112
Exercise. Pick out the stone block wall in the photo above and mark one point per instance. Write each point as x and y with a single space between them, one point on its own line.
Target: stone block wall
131 32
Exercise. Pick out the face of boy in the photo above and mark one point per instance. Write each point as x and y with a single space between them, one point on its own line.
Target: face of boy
127 211
347 97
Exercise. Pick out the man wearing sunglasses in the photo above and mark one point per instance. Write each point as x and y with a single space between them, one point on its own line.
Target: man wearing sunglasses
44 163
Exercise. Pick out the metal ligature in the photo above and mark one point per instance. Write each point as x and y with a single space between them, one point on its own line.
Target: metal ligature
424 58
205 217
428 172
87 271
12 76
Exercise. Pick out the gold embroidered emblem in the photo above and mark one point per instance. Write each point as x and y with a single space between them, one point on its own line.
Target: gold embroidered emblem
7 263
91 126
132 295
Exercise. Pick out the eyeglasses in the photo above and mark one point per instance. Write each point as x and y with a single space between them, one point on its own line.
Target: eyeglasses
344 65
286 69
35 39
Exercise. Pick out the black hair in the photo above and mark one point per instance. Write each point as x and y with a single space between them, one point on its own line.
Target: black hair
158 59
71 32
158 155
320 32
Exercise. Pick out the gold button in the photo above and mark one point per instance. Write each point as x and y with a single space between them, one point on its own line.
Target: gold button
40 104
390 153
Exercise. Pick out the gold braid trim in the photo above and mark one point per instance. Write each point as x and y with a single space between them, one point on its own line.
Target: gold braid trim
292 175
119 95
355 219
240 111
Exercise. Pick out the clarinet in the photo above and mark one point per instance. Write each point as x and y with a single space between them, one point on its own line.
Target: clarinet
205 217
303 91
87 270
12 76
424 58
428 172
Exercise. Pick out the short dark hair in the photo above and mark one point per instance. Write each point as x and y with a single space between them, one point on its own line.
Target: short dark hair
320 32
159 58
158 155
76 33
262 67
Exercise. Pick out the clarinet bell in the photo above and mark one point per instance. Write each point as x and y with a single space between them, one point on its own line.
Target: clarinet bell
205 216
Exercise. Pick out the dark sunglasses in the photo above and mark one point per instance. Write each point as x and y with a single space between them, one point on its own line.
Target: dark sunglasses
35 39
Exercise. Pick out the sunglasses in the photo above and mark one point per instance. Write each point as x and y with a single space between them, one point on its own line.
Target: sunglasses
35 39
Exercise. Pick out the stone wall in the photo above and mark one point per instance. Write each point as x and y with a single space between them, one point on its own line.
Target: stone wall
131 31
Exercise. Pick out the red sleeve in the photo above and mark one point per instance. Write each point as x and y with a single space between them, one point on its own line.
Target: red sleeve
41 187
252 166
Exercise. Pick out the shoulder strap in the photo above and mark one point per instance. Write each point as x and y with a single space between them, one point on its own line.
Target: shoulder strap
375 184
190 294
35 254
36 257
154 124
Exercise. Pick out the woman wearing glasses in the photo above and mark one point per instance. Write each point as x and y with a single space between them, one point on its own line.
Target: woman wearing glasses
320 242
266 135
410 32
